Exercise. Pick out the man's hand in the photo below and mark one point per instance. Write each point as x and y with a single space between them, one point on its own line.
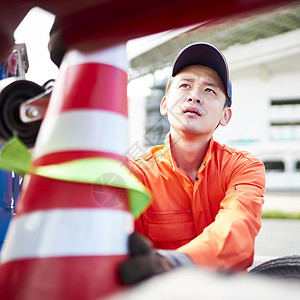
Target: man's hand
144 262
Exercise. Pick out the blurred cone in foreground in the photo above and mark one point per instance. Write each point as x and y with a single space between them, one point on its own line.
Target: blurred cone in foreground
70 232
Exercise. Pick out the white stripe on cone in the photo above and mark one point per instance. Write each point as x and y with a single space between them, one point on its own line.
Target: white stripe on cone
83 130
68 232
114 56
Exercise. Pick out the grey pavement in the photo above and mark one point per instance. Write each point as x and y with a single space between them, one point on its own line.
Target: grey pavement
278 237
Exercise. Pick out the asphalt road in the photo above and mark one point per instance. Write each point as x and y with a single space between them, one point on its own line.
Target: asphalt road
277 238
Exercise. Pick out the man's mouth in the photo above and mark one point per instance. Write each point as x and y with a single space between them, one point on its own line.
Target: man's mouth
192 110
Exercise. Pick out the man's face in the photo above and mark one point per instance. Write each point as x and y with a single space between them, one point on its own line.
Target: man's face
195 101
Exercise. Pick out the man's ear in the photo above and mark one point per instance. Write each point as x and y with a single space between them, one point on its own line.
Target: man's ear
163 106
227 113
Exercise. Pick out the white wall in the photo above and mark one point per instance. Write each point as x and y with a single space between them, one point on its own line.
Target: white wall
262 71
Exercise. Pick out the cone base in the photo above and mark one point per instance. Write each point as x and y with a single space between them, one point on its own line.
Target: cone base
61 278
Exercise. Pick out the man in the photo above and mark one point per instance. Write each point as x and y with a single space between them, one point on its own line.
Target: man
207 197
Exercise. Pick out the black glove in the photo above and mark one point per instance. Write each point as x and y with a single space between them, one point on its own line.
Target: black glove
145 262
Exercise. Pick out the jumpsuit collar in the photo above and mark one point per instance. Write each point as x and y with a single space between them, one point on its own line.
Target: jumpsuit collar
169 155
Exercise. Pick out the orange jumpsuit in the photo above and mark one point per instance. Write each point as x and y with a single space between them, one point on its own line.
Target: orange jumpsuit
213 219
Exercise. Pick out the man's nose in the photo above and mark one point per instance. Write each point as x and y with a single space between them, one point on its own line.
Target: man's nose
194 99
195 95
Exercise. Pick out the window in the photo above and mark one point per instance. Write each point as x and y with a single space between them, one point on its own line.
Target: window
285 102
274 166
285 119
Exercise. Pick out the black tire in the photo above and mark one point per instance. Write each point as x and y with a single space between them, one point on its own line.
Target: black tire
11 97
283 267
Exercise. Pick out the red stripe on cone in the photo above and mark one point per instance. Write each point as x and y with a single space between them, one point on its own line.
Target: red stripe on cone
99 90
60 278
44 193
61 157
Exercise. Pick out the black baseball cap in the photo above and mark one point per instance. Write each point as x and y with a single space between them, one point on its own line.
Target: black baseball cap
207 55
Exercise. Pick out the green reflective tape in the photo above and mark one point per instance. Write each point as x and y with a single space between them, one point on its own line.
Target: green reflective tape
15 156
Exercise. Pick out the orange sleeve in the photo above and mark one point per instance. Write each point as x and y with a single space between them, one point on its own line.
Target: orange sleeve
228 242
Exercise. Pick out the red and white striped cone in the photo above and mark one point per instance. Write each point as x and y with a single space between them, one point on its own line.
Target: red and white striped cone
68 238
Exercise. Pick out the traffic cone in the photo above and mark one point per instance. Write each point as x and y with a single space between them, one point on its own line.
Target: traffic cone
68 237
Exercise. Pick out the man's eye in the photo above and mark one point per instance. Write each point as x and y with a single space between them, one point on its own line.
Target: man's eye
184 85
210 90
